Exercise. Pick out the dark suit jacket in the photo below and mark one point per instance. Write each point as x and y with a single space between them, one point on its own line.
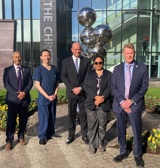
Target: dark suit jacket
71 78
11 84
90 87
138 88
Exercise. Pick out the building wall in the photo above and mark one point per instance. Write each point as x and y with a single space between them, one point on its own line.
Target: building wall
6 45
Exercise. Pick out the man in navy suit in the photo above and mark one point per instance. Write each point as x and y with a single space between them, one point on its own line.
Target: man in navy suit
129 104
18 82
74 70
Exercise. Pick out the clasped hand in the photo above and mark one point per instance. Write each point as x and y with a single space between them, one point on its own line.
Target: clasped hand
52 97
21 95
76 90
126 105
98 100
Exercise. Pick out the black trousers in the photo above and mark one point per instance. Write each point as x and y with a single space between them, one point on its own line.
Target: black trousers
13 110
97 122
72 109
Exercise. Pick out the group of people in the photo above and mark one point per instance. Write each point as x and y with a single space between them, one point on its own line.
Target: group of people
88 86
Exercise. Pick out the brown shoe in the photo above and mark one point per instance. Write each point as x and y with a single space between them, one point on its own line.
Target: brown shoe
8 146
22 141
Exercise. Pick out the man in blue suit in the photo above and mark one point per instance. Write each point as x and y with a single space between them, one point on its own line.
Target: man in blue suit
18 82
129 101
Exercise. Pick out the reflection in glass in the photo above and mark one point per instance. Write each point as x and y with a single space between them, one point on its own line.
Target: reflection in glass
26 9
74 27
0 9
86 3
36 43
17 9
26 44
75 5
18 31
130 4
144 4
8 13
35 9
98 5
114 5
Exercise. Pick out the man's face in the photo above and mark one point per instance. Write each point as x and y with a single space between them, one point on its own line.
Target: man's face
45 57
76 50
17 58
128 55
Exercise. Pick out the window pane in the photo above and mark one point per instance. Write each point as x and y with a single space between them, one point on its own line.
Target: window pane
101 18
27 34
36 30
75 5
36 9
36 54
0 9
74 26
19 32
26 9
17 9
144 4
130 4
114 4
84 3
8 9
97 4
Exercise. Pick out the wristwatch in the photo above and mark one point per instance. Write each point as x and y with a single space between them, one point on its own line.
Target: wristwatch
133 102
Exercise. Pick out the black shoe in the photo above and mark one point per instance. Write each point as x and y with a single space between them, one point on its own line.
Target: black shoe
119 158
42 141
139 161
85 139
70 140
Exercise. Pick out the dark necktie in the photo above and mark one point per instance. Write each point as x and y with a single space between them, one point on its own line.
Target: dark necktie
127 81
19 78
76 64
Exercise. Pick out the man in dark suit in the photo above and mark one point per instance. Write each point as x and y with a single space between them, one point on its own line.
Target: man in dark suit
129 85
74 70
18 82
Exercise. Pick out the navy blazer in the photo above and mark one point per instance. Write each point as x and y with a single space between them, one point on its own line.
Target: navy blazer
11 84
138 88
90 87
71 78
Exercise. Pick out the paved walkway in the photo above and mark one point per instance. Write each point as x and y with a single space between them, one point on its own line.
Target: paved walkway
56 154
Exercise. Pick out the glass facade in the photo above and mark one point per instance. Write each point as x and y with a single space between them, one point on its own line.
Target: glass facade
26 13
135 21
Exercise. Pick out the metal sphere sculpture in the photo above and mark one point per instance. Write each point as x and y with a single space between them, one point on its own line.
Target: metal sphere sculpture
93 38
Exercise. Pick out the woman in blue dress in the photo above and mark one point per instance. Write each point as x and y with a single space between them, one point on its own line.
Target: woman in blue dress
46 77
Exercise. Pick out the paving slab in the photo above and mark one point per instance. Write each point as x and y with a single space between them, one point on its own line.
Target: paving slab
57 154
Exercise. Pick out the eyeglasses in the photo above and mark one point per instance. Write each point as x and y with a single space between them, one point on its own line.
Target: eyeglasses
96 63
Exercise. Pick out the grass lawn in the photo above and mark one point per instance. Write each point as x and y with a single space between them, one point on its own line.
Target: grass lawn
34 94
62 92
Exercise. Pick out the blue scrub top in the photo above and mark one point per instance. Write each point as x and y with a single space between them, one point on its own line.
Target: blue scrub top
48 80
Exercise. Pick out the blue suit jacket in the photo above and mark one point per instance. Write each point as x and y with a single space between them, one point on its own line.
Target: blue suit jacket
11 84
138 88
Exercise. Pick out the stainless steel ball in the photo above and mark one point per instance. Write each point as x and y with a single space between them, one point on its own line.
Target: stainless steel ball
98 50
86 16
102 34
86 37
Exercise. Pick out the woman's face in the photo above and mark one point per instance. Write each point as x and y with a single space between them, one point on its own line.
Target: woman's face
98 64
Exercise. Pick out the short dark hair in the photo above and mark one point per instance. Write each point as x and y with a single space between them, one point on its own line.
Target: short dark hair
98 57
44 51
